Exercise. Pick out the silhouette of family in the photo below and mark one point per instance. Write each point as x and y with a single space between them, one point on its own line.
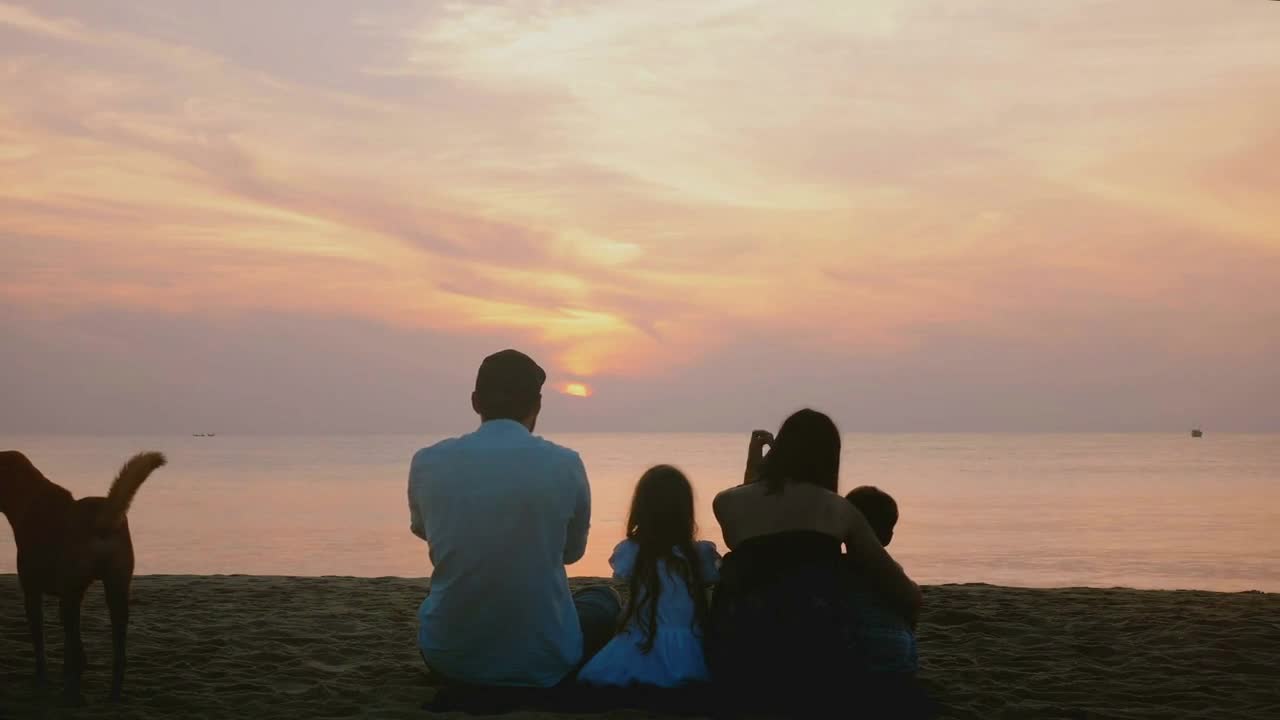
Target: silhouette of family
806 611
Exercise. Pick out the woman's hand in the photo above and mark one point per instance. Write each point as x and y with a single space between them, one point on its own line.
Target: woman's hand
755 453
914 617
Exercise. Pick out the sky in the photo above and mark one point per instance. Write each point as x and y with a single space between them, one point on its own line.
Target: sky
299 216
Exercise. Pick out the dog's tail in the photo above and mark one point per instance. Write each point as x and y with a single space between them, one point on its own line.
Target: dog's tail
126 485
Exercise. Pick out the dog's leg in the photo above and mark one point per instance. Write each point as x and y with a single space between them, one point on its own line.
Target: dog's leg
117 591
73 662
34 602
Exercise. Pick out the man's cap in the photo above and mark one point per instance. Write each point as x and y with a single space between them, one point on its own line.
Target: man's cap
510 373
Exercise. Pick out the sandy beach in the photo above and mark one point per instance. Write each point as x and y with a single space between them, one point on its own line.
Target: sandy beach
274 647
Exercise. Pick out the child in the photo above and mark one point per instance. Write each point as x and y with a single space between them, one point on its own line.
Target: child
879 508
888 641
660 643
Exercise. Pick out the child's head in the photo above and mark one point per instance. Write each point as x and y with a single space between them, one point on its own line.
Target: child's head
878 508
661 514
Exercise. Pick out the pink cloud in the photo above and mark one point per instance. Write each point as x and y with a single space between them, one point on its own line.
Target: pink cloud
644 198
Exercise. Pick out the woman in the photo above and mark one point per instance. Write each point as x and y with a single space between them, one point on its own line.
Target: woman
781 631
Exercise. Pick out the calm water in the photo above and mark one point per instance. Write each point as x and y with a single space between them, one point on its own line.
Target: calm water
1149 511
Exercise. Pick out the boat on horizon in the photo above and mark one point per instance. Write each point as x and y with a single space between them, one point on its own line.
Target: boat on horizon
1197 432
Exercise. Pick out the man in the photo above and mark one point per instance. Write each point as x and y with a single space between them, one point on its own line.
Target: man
503 512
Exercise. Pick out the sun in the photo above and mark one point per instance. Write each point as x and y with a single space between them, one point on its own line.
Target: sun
577 389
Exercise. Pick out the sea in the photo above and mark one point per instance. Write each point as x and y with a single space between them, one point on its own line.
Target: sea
1156 511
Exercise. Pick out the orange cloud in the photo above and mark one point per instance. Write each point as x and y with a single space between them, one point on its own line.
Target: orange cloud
628 191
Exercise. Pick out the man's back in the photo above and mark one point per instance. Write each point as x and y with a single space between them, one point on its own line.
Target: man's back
503 512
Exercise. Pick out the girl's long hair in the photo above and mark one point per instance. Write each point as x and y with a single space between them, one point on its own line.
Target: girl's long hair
661 523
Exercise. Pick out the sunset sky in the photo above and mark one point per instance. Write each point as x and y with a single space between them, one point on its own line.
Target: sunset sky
319 216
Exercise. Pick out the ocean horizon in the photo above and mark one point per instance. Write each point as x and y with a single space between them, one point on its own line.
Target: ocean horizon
1029 509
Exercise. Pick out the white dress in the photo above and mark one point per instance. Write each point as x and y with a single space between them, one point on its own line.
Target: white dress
676 658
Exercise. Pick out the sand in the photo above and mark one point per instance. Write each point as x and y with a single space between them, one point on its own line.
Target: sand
270 647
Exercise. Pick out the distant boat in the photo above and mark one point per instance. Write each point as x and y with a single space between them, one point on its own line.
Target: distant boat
1197 433
204 434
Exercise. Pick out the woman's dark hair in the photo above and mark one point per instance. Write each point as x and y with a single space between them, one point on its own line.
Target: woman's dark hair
662 526
805 450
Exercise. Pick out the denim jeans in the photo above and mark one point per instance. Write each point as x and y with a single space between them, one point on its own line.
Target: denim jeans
599 607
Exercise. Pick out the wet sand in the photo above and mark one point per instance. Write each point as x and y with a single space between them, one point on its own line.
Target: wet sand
273 647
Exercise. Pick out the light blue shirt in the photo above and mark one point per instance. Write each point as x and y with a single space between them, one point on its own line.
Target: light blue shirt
503 512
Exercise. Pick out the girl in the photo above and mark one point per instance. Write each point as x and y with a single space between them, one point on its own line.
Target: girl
660 643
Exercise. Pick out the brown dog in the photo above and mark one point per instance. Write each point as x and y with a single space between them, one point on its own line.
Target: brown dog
64 545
